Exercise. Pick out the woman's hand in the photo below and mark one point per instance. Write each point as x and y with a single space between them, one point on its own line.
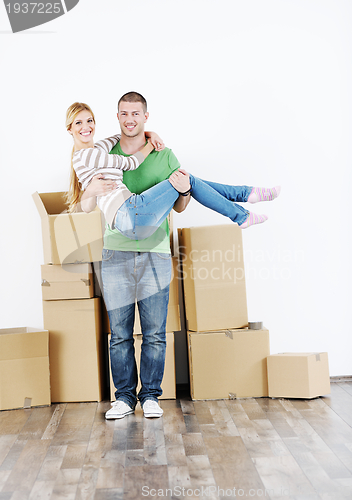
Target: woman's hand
155 140
180 180
98 186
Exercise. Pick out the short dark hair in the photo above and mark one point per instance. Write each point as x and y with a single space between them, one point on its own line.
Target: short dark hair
133 97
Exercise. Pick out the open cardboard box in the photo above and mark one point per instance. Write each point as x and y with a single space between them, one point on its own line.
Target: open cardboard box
24 368
68 238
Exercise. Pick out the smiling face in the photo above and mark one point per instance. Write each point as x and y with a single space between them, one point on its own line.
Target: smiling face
82 130
132 118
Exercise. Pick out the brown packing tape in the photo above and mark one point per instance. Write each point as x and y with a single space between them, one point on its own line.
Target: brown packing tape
317 357
255 325
229 334
45 283
85 281
27 403
232 395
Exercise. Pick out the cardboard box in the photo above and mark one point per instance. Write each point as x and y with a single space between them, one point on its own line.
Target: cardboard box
213 277
24 368
69 281
173 322
168 384
170 220
68 238
298 375
76 350
228 364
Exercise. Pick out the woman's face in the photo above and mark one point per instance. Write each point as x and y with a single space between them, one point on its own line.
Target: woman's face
83 128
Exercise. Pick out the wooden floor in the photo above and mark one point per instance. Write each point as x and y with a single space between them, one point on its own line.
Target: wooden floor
246 448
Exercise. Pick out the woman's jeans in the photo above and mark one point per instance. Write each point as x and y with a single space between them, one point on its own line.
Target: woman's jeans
142 277
141 215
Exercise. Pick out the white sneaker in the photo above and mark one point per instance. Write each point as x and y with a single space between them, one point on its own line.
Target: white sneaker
119 409
151 408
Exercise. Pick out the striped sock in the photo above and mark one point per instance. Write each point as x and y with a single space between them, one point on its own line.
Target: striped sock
253 219
264 194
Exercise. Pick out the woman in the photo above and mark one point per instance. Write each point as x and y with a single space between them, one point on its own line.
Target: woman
139 216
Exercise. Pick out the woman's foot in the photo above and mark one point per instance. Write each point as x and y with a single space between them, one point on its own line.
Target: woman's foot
253 219
263 194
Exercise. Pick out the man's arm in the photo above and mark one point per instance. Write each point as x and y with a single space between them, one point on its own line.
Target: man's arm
180 181
181 203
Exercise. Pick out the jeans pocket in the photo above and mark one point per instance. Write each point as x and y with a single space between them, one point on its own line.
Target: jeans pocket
107 254
163 256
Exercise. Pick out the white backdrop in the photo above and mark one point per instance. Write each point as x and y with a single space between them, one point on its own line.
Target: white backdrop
251 92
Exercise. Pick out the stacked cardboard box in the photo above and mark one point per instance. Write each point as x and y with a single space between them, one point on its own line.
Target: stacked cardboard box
68 238
226 358
72 314
228 363
76 349
213 277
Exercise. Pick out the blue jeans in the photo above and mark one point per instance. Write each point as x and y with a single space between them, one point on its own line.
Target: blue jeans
141 215
130 277
221 198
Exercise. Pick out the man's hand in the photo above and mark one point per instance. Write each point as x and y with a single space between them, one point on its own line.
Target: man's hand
97 187
180 180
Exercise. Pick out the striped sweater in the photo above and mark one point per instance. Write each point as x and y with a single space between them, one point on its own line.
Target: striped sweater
93 161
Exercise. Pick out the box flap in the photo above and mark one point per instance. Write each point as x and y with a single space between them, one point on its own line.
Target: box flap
45 226
299 354
21 343
39 204
50 203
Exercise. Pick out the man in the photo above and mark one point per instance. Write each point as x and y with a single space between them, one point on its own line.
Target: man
138 271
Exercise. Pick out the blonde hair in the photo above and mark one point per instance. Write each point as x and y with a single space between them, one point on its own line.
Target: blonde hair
74 192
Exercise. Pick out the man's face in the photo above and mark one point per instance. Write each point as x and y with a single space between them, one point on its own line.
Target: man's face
132 118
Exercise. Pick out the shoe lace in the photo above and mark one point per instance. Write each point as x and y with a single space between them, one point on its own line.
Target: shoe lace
119 405
150 404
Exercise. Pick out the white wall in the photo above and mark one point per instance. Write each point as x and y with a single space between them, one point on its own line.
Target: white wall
251 92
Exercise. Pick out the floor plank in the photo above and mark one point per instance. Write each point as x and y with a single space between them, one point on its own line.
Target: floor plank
26 468
255 448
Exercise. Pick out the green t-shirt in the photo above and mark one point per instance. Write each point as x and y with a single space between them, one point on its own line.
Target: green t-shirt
157 167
